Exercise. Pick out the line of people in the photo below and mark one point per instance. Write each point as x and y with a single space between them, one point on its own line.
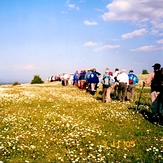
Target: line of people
121 84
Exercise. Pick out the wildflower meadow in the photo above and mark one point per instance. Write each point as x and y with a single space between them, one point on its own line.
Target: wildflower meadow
53 123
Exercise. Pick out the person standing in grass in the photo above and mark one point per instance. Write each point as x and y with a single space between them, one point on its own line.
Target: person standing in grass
76 78
123 84
133 79
94 80
65 79
155 78
106 86
116 83
82 79
87 79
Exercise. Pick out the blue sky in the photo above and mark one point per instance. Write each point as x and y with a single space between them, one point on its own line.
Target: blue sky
49 37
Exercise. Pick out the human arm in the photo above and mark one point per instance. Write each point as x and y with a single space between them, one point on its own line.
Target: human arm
149 79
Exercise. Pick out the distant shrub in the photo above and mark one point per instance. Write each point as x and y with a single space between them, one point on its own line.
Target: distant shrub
16 83
145 72
37 80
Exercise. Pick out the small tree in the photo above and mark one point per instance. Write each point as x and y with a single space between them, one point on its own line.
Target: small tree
145 72
37 80
16 83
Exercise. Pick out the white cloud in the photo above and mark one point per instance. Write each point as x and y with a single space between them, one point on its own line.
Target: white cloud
161 34
146 48
90 43
154 32
90 23
97 9
157 24
107 47
72 6
63 12
110 46
27 67
136 33
160 41
136 10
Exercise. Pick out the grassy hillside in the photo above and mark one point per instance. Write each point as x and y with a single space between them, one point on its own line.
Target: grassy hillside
53 123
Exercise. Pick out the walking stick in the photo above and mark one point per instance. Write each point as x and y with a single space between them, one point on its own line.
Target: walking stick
139 98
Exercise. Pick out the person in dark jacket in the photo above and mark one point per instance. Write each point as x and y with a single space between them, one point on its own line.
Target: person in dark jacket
94 79
154 78
76 78
82 79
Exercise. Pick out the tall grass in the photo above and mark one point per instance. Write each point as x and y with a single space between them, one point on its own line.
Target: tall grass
55 123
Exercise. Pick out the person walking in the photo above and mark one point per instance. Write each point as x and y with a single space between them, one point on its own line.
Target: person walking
65 79
76 78
123 84
116 83
133 79
94 80
82 79
106 86
88 73
155 79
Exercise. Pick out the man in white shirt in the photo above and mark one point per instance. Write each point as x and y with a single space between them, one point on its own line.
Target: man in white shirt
123 84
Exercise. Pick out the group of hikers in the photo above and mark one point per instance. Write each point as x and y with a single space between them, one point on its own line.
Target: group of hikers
119 85
123 84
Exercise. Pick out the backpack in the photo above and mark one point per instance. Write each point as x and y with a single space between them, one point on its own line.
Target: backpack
76 76
106 81
157 82
131 78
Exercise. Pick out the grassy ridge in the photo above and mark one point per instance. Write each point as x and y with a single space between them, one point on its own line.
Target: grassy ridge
53 123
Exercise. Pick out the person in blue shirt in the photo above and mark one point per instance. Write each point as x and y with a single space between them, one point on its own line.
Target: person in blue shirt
133 79
76 78
94 79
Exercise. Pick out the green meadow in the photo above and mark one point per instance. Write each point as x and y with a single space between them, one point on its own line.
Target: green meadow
54 123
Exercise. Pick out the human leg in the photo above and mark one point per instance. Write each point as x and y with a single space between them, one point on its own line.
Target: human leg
124 88
155 102
119 91
108 95
104 94
129 90
133 92
93 86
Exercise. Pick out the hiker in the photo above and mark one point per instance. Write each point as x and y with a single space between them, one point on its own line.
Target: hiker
116 83
87 79
123 84
155 78
106 86
112 80
133 79
94 79
76 78
82 79
65 79
71 81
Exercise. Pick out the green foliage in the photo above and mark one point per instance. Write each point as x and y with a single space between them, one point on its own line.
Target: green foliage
16 83
37 80
145 72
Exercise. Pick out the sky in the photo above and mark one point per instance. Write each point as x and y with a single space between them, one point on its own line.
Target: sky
49 37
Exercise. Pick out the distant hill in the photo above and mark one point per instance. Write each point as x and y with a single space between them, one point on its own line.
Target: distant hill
5 83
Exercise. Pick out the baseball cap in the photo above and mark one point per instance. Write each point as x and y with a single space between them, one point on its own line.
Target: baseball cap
156 65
